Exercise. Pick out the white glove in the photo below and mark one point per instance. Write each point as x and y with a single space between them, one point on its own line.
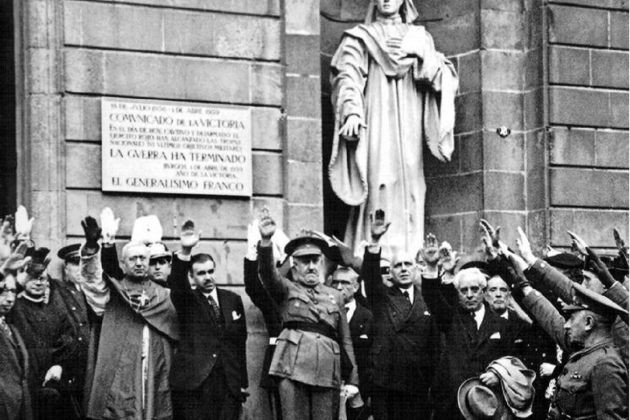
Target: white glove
109 225
53 374
349 390
23 224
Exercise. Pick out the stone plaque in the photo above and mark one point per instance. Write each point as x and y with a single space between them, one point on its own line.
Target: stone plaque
176 148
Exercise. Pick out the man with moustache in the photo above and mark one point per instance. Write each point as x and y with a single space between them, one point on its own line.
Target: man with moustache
308 360
209 374
405 347
130 377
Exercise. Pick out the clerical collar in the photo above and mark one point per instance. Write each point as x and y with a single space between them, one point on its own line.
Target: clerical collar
389 20
38 300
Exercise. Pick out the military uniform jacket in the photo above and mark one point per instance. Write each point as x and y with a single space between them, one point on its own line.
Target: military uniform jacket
405 349
303 356
594 382
543 274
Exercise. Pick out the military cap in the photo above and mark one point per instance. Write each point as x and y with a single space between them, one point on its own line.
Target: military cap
306 244
70 253
617 266
159 250
586 299
565 260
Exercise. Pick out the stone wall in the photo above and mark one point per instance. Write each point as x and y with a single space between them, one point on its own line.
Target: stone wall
588 119
259 54
564 161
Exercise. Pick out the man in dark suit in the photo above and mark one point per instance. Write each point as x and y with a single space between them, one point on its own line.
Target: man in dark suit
209 372
474 335
15 401
406 338
360 321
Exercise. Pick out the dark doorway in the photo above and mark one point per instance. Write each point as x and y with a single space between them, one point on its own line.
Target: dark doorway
8 152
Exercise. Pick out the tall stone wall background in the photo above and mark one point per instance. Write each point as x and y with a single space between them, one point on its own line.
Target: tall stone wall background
564 166
588 119
259 54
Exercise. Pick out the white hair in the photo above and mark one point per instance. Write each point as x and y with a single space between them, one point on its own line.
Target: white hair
470 273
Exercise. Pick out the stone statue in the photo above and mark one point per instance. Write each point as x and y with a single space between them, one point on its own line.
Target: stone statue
391 90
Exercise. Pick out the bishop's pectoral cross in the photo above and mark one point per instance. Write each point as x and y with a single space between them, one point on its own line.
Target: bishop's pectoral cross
143 299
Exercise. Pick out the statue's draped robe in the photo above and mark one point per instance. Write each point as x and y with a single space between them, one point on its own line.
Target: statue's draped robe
402 100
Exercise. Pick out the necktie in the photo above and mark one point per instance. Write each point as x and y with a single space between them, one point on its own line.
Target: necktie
215 309
407 296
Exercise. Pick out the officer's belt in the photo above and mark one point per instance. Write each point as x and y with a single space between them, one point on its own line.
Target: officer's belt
323 329
328 331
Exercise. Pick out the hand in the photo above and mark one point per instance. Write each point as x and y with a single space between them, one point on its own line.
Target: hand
491 231
23 224
596 265
16 260
92 232
109 225
53 374
578 243
378 226
489 379
349 390
448 258
188 239
410 46
352 127
429 252
546 369
524 248
347 256
488 240
266 226
621 245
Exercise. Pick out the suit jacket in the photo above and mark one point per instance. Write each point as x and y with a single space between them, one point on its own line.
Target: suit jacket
204 342
405 347
468 350
15 399
259 296
361 333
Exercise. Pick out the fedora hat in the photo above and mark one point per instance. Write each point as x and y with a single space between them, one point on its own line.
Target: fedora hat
478 402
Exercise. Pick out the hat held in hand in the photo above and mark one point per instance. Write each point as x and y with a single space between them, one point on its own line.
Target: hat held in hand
478 402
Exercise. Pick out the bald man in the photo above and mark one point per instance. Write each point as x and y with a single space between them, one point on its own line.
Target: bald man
405 335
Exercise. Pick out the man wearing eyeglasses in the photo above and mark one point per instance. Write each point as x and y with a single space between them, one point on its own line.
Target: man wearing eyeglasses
360 322
15 402
49 337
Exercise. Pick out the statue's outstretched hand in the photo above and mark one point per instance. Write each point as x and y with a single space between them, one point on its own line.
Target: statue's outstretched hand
352 127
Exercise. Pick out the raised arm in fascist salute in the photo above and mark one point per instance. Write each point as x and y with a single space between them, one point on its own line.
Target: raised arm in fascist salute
130 377
404 351
315 338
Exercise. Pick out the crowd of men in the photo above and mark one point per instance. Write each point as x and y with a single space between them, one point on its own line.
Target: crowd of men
387 336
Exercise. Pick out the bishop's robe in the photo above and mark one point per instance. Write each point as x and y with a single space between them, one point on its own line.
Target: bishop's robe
403 101
114 383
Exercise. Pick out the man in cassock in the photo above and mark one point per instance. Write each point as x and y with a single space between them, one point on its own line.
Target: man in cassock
130 378
391 91
50 339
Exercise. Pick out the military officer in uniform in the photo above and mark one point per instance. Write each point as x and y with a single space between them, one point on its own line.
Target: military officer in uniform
315 340
594 382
